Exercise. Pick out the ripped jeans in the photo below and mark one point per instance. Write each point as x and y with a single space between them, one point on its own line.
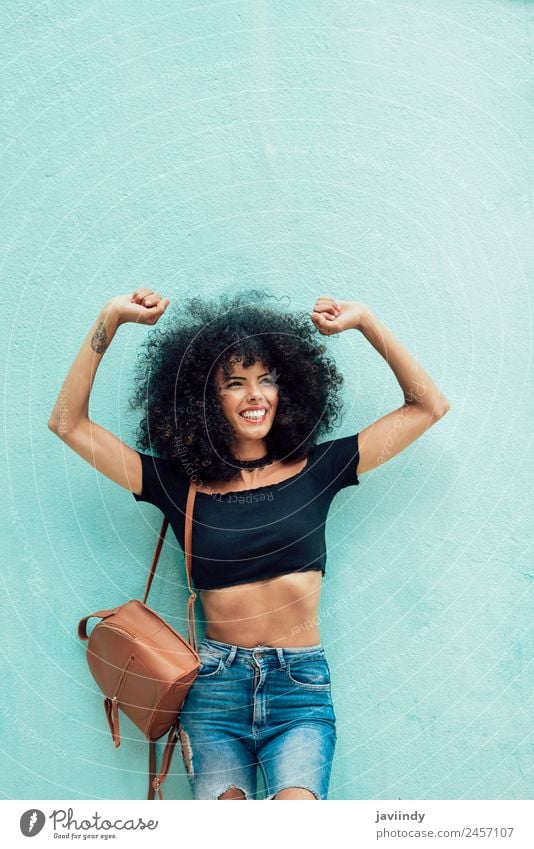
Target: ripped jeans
263 706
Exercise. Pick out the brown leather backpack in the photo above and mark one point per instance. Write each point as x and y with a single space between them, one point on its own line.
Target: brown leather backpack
142 665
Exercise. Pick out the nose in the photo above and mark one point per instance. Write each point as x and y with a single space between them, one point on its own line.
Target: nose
255 396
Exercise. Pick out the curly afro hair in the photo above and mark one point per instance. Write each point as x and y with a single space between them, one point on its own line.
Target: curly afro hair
175 382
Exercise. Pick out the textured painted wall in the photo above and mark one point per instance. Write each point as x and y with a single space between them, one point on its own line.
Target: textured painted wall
371 150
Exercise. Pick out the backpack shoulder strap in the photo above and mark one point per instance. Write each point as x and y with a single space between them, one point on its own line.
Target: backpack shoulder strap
191 629
188 538
155 781
155 558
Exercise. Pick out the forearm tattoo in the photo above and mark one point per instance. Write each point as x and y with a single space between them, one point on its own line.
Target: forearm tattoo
99 342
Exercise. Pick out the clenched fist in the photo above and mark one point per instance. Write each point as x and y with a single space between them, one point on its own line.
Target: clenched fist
144 306
331 316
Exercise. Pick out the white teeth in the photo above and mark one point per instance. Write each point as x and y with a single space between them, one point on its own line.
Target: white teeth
254 415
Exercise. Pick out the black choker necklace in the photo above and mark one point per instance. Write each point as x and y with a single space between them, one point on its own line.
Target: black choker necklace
257 463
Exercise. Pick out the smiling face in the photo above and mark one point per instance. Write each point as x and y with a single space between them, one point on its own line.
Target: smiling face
253 387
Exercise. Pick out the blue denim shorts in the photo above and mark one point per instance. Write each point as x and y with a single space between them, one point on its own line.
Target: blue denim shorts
263 706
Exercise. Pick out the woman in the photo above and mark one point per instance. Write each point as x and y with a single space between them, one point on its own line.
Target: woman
235 394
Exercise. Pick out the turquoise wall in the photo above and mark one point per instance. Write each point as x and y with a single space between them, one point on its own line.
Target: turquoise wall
376 151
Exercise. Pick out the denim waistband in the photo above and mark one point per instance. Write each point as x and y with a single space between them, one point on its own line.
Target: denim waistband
234 651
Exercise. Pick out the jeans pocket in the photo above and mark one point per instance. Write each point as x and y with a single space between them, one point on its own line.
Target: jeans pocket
309 673
212 664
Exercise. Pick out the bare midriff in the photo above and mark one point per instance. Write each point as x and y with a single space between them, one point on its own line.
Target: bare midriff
281 612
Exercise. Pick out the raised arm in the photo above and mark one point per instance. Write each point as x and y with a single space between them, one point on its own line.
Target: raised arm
70 417
423 404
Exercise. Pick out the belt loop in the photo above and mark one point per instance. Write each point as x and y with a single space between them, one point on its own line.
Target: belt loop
281 657
230 659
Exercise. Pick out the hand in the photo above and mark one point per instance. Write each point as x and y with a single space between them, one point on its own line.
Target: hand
144 306
332 316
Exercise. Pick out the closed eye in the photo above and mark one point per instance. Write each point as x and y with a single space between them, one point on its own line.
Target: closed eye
238 382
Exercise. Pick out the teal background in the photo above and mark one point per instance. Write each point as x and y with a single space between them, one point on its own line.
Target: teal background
376 151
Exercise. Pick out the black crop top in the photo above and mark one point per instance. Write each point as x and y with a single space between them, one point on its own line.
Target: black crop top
253 534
